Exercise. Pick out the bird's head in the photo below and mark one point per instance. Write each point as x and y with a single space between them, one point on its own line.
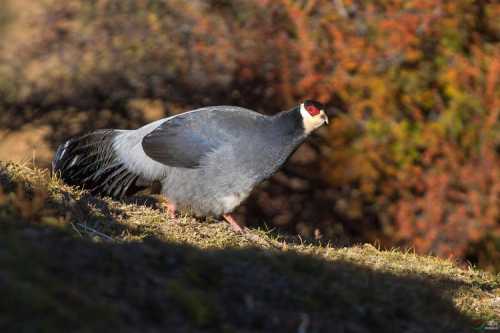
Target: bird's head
313 115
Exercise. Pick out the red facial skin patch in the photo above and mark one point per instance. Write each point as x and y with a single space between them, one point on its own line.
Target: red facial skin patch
313 111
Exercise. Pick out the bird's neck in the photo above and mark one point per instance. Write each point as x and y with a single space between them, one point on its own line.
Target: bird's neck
288 125
283 133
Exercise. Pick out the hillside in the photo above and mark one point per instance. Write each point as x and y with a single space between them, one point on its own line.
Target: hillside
73 262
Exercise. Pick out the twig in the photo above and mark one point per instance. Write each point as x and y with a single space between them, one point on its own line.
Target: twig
304 323
76 229
98 233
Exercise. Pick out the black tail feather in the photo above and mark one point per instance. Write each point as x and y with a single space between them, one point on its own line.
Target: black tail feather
91 162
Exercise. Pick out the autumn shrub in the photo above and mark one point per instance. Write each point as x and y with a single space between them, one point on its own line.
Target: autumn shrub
414 161
422 77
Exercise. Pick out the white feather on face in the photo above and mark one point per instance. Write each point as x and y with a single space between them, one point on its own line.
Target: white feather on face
312 122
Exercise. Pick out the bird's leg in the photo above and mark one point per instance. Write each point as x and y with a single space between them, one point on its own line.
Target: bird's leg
170 208
234 225
244 231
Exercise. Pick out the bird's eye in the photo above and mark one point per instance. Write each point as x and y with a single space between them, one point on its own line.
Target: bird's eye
313 111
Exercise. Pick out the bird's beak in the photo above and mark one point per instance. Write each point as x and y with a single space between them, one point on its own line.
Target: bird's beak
324 116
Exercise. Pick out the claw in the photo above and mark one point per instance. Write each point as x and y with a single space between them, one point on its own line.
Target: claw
234 225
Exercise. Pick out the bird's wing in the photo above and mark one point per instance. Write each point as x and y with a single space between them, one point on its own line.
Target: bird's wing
184 140
177 144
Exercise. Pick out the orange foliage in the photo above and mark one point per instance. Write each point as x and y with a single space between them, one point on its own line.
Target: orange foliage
422 78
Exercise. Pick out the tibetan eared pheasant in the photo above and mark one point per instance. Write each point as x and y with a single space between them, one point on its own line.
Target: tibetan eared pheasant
207 160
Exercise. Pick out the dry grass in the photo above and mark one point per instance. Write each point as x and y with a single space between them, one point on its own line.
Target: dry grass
71 261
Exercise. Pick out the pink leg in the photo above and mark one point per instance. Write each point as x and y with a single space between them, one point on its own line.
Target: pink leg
234 225
170 208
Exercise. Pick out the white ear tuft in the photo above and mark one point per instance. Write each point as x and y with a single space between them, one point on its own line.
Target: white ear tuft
311 122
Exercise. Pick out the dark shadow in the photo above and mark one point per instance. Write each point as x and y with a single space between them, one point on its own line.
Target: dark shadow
54 282
91 106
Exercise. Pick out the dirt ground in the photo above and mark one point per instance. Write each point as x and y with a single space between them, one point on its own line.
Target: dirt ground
27 144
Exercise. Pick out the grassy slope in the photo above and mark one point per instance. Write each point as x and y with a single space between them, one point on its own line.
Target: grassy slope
70 261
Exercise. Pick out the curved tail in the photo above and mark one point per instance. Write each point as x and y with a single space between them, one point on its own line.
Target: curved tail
90 161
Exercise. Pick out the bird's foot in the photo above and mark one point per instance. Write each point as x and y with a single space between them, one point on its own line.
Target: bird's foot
244 231
234 225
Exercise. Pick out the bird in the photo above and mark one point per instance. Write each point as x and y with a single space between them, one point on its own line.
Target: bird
207 160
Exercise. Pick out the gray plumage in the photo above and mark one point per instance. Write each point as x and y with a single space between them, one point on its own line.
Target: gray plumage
207 160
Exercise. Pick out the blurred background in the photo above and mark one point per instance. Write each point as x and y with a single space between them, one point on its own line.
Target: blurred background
413 163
